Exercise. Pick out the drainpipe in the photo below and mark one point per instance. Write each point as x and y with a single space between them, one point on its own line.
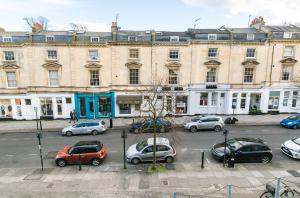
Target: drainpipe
272 61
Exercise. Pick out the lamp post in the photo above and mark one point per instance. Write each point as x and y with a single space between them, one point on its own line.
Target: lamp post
124 136
39 136
225 133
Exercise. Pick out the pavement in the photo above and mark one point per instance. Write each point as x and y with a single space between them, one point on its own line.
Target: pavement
57 125
185 180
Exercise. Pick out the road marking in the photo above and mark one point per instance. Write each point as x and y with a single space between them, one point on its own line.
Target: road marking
9 155
113 151
200 149
207 160
33 154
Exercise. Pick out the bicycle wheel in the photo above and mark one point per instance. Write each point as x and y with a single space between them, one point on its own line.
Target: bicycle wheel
266 195
287 194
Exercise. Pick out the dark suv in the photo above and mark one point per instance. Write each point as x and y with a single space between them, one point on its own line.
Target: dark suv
243 150
84 152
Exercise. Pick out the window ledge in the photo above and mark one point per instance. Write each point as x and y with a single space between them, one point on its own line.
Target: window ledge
171 59
52 60
9 61
93 60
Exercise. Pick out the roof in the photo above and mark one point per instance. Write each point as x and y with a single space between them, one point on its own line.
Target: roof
88 142
244 30
208 31
283 28
159 140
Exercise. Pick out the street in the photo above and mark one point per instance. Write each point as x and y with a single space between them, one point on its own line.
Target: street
20 150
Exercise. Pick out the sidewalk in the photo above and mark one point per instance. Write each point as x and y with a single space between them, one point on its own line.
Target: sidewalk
112 181
57 125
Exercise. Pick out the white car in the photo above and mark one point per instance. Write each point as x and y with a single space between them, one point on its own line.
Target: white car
292 148
91 127
208 122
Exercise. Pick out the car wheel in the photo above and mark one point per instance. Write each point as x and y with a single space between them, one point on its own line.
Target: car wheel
193 129
266 159
266 194
61 163
94 132
169 159
295 126
69 133
217 128
96 162
135 161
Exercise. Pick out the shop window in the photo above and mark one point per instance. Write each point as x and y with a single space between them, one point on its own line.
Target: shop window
137 107
243 100
104 106
203 99
125 108
82 107
68 100
295 98
169 104
27 101
181 104
46 106
214 97
234 100
59 106
286 98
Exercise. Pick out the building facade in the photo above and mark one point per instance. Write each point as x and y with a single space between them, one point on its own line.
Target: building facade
102 74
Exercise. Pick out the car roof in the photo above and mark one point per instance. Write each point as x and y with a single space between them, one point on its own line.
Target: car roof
211 116
247 140
159 140
88 143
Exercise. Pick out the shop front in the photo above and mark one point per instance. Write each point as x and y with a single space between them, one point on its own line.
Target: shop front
94 105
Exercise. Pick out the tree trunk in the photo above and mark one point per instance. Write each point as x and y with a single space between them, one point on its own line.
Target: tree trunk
154 144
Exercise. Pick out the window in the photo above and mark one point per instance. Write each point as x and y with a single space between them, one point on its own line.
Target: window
286 73
214 97
6 39
133 76
27 101
46 106
174 38
250 37
234 100
9 56
93 54
162 148
173 54
53 78
133 53
287 35
295 98
52 54
248 75
94 78
125 108
203 99
95 39
212 52
211 75
137 107
149 149
49 38
286 98
132 38
243 100
59 106
212 37
173 76
169 104
68 100
250 53
11 79
288 51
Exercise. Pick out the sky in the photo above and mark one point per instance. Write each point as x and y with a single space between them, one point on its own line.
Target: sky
168 15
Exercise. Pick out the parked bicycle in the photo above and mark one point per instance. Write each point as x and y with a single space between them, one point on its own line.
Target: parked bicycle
285 191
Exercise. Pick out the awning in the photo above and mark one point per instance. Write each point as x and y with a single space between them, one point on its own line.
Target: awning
129 99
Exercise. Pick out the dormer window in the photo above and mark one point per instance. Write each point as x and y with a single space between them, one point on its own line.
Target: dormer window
132 38
174 38
6 39
250 37
287 35
212 37
49 38
9 56
95 39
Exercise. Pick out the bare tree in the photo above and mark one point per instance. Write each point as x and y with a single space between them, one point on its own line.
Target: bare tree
43 21
78 27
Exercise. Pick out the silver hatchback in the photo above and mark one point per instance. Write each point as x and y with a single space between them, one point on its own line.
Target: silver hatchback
208 122
143 151
93 128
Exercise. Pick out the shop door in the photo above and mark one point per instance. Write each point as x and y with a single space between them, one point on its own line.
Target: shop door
104 109
221 109
273 102
90 108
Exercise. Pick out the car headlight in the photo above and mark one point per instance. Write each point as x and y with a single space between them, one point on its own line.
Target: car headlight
296 151
290 123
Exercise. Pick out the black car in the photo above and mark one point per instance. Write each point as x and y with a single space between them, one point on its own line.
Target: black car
147 125
243 150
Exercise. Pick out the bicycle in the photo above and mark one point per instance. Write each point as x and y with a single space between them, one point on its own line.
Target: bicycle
285 191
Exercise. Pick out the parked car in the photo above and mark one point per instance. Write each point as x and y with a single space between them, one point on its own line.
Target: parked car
292 122
146 126
85 152
92 127
292 148
243 150
143 151
197 118
208 122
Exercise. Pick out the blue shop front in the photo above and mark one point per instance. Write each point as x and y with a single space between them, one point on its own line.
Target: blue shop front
95 105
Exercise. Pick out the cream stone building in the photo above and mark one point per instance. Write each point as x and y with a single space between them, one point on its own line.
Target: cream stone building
101 74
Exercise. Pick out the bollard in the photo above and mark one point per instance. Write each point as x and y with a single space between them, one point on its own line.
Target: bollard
110 121
277 189
174 195
202 160
79 168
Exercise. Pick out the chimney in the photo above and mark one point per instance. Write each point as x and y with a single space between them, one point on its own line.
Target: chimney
37 27
114 30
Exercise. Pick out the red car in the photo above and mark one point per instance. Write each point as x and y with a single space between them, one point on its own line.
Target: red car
84 152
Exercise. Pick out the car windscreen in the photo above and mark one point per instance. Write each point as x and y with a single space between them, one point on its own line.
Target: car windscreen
234 144
294 117
141 145
297 140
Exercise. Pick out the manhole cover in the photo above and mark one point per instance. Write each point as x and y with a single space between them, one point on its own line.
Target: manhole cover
294 173
51 155
165 182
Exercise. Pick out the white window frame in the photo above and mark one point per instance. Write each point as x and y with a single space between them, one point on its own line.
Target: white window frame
6 39
211 52
285 51
248 75
204 101
250 37
134 76
286 73
243 98
51 55
174 38
11 83
212 37
134 51
211 75
286 97
53 80
90 58
95 39
132 38
50 38
254 53
214 98
287 34
172 53
173 76
13 55
94 80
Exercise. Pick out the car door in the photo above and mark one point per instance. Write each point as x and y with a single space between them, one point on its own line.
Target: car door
260 152
89 154
161 152
244 154
147 154
76 155
203 123
77 129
